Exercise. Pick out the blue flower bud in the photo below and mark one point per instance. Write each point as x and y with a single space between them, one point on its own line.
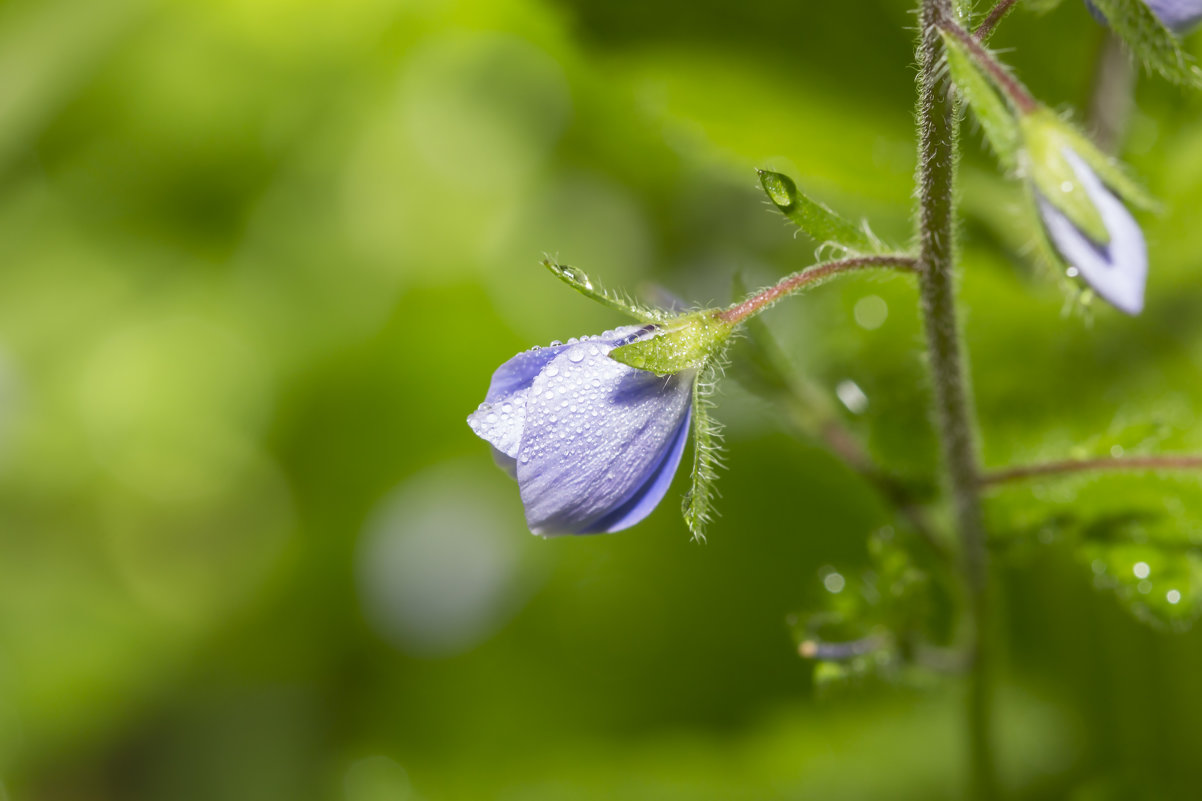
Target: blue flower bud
1179 16
592 442
1117 267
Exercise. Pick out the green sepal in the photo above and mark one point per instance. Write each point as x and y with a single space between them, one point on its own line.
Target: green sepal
1150 40
1112 172
813 218
580 281
697 507
1053 175
1046 137
683 343
992 111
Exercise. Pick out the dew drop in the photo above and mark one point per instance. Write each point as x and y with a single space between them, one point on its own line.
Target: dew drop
576 355
1141 570
576 276
491 418
551 371
1173 596
852 396
834 583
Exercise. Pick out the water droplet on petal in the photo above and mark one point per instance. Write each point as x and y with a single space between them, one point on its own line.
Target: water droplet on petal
576 355
551 371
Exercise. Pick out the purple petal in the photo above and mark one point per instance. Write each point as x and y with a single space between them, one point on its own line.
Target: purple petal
601 441
647 497
1177 15
1117 270
500 419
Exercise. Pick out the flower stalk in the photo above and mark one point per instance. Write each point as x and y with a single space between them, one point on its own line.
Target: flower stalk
799 280
1010 475
937 124
999 12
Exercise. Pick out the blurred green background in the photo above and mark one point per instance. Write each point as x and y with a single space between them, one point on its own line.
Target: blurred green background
259 260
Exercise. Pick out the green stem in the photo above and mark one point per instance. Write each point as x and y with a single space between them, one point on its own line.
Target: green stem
937 117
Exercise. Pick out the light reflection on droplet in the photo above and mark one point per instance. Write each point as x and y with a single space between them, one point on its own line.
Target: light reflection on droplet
1144 587
1098 567
851 396
1141 570
870 312
834 582
1173 596
1116 451
1072 272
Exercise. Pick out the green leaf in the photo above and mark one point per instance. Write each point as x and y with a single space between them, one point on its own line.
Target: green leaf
1139 535
814 219
1151 41
992 111
580 281
686 342
698 505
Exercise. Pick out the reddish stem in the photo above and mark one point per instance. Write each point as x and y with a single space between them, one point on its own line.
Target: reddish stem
999 11
791 283
1066 466
1017 93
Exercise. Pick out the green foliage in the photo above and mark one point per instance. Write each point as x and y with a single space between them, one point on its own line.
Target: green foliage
1138 535
1153 43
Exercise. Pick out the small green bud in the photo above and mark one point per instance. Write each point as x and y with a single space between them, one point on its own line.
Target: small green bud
683 343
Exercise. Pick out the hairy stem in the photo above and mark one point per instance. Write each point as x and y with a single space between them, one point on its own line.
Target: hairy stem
937 123
819 272
985 29
1015 91
1108 464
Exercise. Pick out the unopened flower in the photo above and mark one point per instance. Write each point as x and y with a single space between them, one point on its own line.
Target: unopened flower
1114 264
592 442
